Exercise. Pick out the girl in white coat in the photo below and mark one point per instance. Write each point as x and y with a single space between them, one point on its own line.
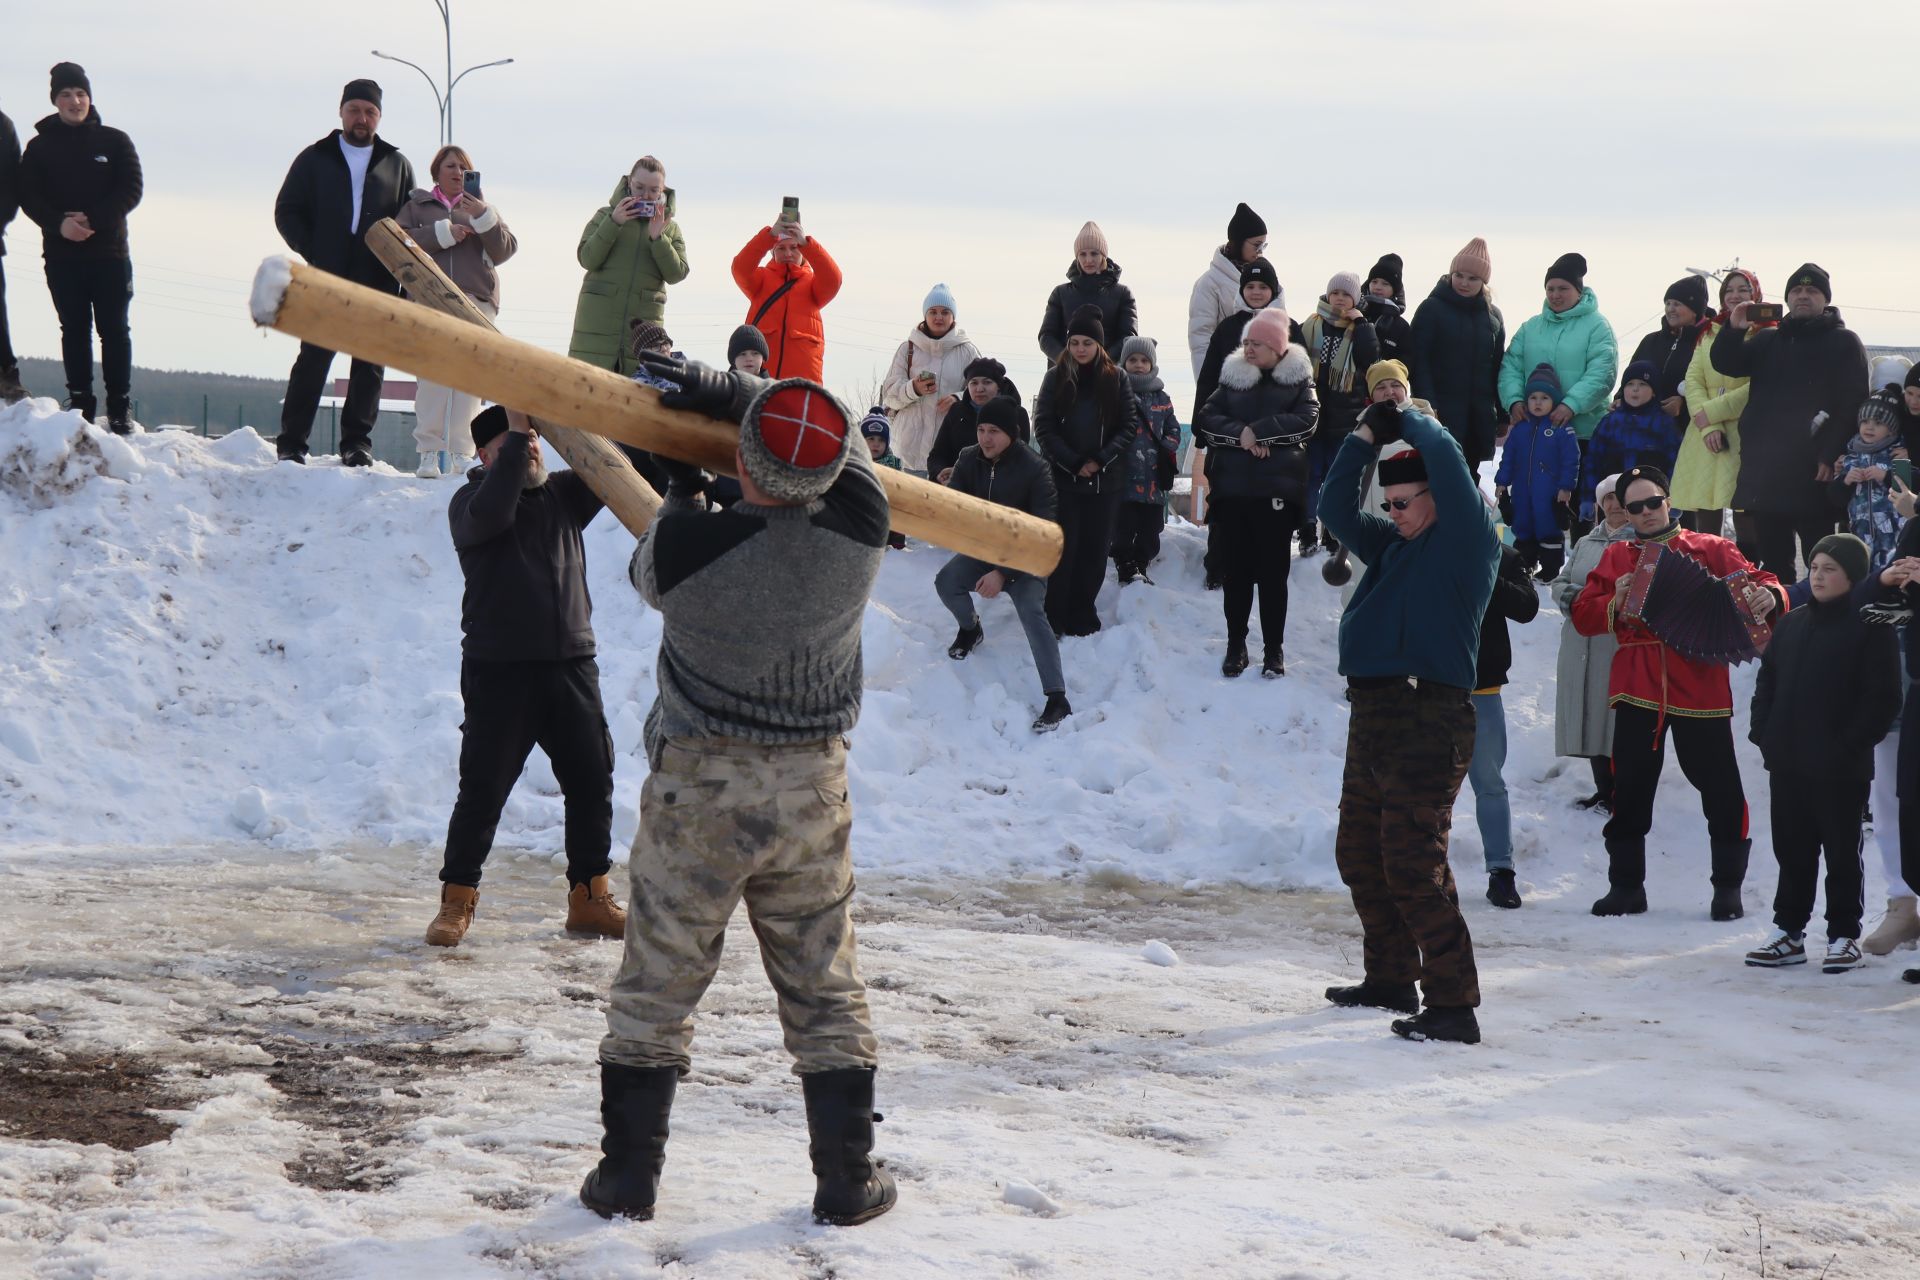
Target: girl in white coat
1216 294
929 371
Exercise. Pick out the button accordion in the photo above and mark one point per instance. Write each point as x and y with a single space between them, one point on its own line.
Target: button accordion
1686 606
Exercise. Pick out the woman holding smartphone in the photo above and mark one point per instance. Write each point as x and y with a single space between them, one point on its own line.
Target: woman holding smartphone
467 238
1708 467
631 250
927 376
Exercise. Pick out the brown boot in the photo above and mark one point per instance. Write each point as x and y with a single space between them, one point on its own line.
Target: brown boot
591 909
456 913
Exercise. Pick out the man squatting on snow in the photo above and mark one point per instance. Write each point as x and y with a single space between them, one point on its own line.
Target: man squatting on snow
527 671
760 681
1409 645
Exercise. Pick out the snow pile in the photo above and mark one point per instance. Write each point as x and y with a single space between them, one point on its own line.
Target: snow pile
202 646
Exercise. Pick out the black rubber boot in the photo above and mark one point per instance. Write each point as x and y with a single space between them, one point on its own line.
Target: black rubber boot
966 641
1376 995
1440 1022
1236 660
634 1103
850 1186
1627 874
1729 873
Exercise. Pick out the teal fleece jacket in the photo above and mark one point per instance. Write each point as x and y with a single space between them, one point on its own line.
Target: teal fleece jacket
1417 611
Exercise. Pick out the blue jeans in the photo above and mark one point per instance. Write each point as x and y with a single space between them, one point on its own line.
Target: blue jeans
1489 787
954 583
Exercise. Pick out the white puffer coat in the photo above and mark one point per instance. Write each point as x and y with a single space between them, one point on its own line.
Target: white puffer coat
1216 295
916 418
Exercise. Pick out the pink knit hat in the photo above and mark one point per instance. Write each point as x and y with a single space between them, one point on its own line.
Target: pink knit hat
1269 328
1091 237
1473 260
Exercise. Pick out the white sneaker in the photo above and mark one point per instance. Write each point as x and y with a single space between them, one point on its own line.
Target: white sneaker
1842 954
429 468
1779 951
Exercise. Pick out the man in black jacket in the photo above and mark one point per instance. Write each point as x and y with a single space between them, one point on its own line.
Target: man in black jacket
997 469
527 671
79 180
10 388
1812 365
1827 692
986 379
1515 599
338 188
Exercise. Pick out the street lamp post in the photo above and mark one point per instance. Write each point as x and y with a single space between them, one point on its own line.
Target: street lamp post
443 102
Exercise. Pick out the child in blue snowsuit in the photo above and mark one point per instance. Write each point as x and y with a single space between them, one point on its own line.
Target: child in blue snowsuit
1538 467
1863 475
1151 461
1637 433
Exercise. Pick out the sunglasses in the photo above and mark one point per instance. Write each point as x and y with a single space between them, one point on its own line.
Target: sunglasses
1645 505
1401 504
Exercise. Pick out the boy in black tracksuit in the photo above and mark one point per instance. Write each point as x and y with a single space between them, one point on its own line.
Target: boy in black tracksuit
1828 691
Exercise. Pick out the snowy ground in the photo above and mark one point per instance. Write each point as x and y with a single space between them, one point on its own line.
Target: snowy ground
228 723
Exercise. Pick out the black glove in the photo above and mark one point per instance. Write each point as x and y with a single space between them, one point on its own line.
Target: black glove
1383 420
684 480
717 393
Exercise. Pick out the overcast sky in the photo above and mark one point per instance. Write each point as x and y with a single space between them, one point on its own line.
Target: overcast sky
967 142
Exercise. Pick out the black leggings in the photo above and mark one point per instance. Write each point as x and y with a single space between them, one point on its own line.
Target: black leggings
1253 550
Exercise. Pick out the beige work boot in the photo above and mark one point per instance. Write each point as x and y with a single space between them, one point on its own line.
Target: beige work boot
1900 928
456 913
591 909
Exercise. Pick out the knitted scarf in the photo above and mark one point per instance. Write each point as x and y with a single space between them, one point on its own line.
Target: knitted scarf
1333 347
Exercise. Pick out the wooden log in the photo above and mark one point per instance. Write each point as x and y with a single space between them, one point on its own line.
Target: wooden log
337 314
605 469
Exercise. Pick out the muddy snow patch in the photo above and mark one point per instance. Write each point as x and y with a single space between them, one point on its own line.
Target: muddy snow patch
47 452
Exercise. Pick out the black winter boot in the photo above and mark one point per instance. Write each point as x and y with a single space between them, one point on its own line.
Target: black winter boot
120 415
1376 995
851 1187
11 390
967 641
1056 710
1454 1023
1729 873
1274 664
83 403
1236 660
634 1102
1502 891
1627 874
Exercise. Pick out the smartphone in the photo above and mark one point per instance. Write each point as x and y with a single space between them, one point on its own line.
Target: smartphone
790 209
1903 471
644 209
1766 313
473 183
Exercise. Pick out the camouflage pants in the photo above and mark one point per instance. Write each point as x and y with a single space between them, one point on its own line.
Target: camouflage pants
722 820
1407 750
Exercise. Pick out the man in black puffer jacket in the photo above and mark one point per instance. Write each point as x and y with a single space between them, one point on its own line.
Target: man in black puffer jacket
1255 427
527 671
1811 365
986 379
1000 469
337 189
79 180
10 388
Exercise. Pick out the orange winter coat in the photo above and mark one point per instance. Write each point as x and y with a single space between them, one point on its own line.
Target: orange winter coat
792 325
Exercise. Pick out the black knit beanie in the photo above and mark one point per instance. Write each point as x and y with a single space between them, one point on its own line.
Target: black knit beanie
984 367
1002 413
747 338
1690 291
68 75
362 91
648 336
1259 271
1244 226
1887 406
1913 377
1570 267
1813 275
1848 551
1087 323
1389 268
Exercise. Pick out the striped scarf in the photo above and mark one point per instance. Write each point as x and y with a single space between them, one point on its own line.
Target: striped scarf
1333 345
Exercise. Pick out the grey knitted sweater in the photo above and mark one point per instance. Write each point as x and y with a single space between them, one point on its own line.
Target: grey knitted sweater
762 609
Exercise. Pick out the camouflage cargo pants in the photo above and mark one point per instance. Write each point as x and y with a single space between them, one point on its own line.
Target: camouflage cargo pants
722 820
1407 750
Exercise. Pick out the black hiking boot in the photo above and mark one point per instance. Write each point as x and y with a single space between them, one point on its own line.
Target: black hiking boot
850 1186
1273 665
358 456
1623 900
11 389
1729 873
1455 1024
1376 995
1502 891
83 404
1056 711
1236 660
967 641
119 416
634 1102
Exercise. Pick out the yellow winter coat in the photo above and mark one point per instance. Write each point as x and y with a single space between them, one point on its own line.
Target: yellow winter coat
1704 481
